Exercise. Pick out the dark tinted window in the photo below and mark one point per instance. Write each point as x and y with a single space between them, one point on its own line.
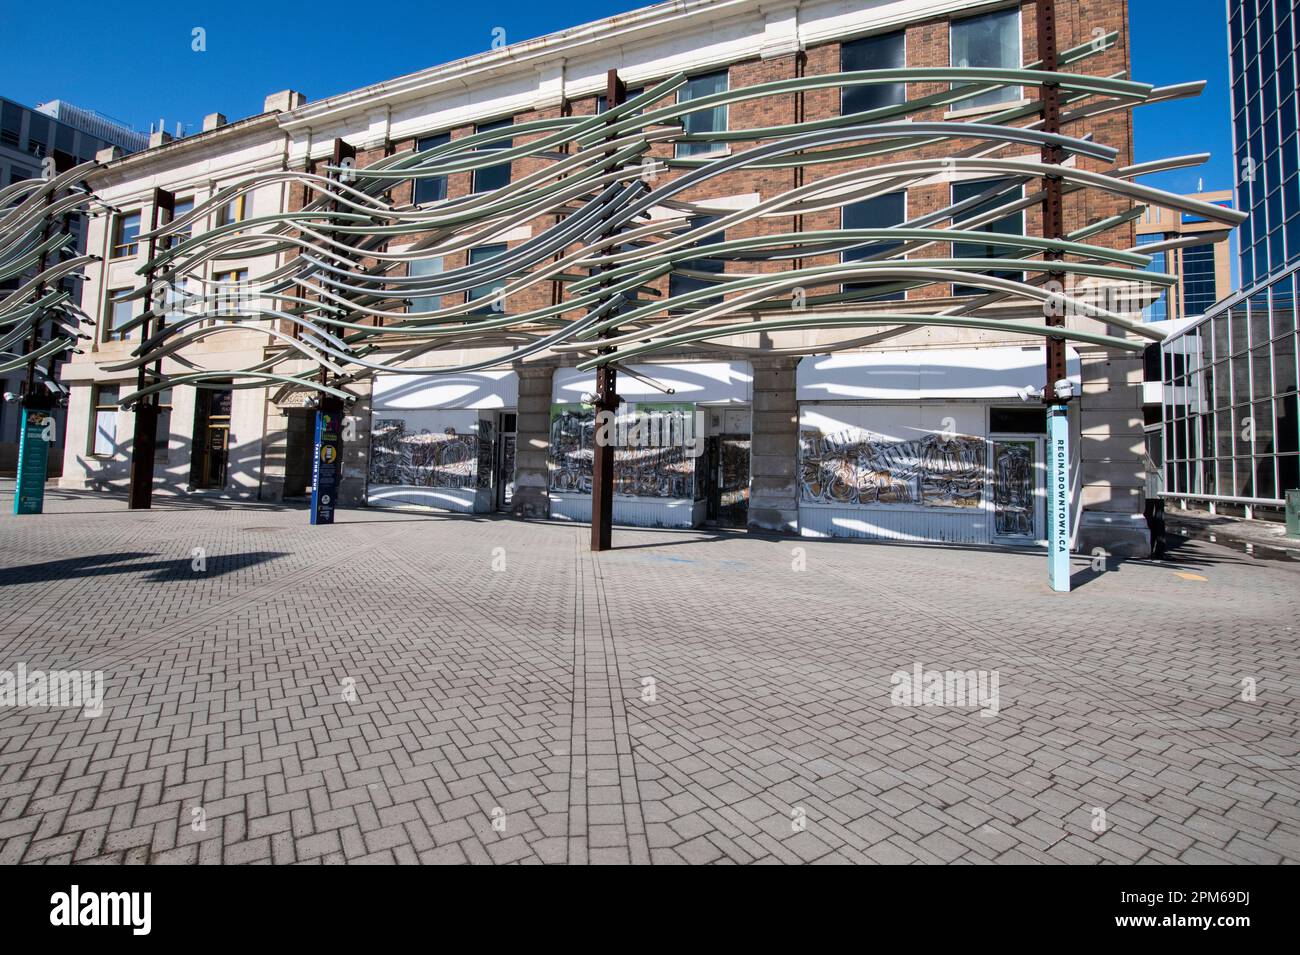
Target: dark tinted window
885 51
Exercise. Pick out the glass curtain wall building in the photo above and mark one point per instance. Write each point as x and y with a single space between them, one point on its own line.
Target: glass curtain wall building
1230 425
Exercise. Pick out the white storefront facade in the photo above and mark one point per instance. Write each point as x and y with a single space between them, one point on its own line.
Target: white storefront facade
444 441
688 463
924 445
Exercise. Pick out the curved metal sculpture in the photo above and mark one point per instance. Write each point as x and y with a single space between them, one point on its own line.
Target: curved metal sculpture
619 226
37 254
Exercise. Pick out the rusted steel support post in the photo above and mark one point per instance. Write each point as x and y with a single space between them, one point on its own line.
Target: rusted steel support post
144 441
1059 485
602 472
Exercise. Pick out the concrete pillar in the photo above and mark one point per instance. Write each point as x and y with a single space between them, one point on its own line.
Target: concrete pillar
274 453
1111 455
532 441
180 458
774 487
76 437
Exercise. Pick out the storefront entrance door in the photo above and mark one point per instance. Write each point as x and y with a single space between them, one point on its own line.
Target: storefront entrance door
211 437
1017 467
504 479
724 473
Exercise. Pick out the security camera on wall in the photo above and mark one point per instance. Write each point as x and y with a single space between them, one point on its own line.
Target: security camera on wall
1029 393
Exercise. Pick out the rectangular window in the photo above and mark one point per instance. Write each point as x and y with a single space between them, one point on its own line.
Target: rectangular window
103 440
493 177
713 120
1013 224
488 290
1288 429
1158 310
1284 371
11 123
426 303
120 311
991 40
126 233
431 188
885 51
183 207
231 211
38 135
229 290
681 284
602 105
1024 420
875 213
1198 279
175 302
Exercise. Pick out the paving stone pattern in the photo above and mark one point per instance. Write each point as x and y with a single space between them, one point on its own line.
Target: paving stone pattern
404 687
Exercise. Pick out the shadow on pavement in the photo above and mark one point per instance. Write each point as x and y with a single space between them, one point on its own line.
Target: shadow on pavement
101 565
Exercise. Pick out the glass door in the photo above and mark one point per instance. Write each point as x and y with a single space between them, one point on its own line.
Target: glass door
505 460
211 437
1018 476
733 480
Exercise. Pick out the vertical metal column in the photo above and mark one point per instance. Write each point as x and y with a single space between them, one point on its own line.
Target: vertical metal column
602 476
144 440
1058 418
327 449
1053 213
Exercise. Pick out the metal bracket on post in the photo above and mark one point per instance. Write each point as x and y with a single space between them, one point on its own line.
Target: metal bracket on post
602 472
144 440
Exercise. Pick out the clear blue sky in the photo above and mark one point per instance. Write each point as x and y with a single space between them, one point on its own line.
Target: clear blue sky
134 61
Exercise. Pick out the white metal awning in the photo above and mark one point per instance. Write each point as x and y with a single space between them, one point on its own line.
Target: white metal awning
696 381
993 372
470 389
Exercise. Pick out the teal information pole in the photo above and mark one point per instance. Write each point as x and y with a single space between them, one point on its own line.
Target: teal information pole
1058 497
34 438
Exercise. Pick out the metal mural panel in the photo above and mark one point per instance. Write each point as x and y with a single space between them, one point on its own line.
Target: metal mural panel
402 455
1014 488
665 470
854 466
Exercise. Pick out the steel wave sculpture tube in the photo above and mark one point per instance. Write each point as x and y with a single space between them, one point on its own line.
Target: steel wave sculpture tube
610 224
39 320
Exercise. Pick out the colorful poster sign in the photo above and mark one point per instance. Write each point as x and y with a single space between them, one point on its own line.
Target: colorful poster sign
1058 497
34 439
325 466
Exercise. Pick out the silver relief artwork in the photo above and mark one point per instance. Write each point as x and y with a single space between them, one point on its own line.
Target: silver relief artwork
665 471
445 459
1013 489
854 466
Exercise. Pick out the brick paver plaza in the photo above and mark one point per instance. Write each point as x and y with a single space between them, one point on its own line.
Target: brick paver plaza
403 687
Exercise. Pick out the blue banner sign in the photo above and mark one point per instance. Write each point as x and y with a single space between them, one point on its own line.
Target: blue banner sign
325 466
1058 497
34 440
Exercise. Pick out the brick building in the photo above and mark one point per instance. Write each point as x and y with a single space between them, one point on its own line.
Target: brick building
768 416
